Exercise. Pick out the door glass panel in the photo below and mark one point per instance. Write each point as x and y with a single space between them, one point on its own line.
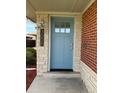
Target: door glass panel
62 27
62 30
67 30
57 30
67 27
57 25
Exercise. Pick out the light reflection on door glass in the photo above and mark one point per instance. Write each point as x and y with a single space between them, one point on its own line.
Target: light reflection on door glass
57 30
67 30
62 30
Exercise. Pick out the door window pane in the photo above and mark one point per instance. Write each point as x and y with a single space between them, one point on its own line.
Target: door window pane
62 30
62 25
57 25
67 30
67 25
57 30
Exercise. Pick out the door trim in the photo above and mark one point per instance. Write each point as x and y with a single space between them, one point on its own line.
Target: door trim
49 49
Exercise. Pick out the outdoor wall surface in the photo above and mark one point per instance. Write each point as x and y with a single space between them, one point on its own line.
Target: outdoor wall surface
42 51
88 77
89 37
43 59
77 43
88 63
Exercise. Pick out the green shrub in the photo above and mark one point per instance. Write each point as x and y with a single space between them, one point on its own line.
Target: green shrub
30 56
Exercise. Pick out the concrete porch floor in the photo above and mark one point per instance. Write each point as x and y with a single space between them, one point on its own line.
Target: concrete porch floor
58 82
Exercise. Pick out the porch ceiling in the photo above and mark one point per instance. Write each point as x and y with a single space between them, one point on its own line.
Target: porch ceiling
33 6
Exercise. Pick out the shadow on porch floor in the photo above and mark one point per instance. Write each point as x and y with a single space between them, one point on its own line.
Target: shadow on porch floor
58 82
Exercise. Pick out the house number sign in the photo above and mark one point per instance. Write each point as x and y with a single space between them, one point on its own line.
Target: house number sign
41 37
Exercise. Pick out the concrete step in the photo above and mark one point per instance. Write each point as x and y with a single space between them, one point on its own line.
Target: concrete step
62 74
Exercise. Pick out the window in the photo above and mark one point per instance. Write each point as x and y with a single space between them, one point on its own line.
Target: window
67 27
67 30
57 30
62 30
62 27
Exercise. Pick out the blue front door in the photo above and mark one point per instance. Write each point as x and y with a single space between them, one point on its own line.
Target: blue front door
62 42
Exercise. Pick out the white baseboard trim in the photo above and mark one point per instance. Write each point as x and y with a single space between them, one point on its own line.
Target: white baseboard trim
89 77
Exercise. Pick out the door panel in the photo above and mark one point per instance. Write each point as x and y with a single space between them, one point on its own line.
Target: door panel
61 43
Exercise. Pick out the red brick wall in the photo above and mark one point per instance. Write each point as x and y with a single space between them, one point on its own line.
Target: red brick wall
89 37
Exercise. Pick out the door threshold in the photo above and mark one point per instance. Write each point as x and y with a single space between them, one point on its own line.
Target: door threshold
61 70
